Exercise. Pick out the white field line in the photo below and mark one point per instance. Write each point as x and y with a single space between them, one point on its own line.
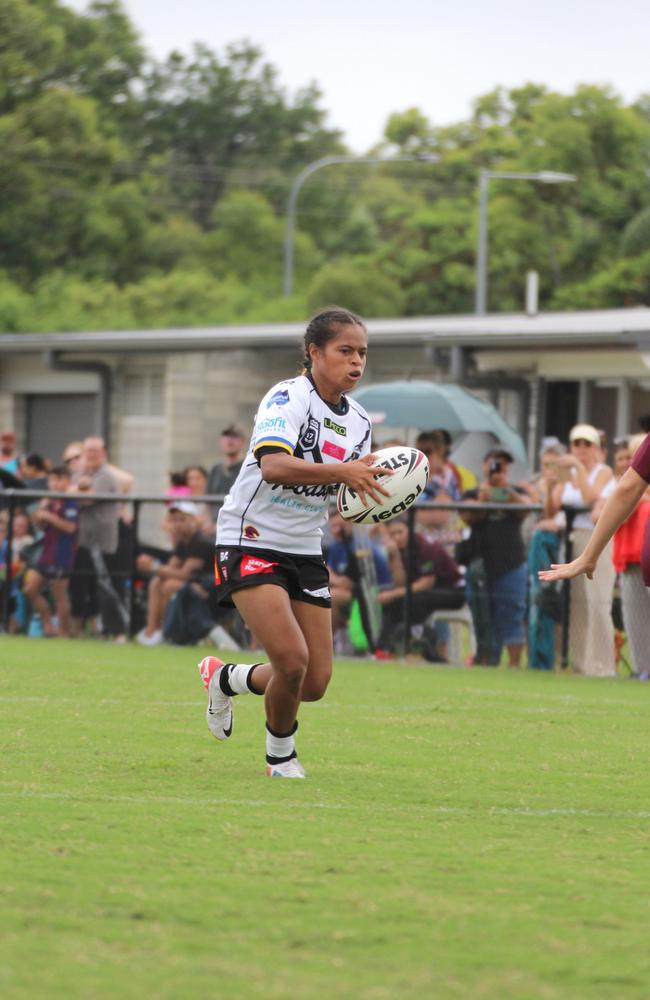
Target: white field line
463 811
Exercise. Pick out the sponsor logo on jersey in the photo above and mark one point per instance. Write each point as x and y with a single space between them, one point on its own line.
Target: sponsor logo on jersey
315 490
223 556
251 532
321 592
309 439
333 450
290 502
272 424
251 564
337 428
279 398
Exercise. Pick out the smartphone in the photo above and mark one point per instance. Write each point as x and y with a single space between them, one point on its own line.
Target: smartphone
562 473
499 494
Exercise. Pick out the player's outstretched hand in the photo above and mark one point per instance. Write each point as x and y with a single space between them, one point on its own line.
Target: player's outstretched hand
360 477
566 571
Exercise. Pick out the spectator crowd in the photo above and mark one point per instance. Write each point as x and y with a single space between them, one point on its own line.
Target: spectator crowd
73 553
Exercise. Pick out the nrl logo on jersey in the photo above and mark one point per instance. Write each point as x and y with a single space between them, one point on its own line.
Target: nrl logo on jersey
337 428
309 439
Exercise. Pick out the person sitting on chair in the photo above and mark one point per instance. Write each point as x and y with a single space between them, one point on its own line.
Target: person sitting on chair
191 560
436 583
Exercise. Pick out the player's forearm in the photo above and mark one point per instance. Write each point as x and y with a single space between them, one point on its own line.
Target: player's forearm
618 508
291 471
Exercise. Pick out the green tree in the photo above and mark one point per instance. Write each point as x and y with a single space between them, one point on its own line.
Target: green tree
247 241
636 235
358 285
226 121
45 44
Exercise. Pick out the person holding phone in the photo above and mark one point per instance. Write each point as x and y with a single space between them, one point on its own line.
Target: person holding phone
496 551
587 478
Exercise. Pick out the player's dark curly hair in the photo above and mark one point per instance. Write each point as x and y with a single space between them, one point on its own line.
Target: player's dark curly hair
324 326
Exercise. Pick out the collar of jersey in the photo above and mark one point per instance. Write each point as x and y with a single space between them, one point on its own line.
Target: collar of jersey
342 407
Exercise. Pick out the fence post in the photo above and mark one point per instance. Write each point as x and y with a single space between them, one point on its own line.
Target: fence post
133 571
570 514
6 596
410 552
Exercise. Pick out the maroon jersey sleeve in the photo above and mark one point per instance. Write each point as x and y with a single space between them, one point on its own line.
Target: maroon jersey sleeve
641 460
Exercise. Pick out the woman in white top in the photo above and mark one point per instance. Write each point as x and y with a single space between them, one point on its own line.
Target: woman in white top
591 631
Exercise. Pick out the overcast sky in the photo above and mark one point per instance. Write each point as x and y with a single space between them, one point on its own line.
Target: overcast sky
371 57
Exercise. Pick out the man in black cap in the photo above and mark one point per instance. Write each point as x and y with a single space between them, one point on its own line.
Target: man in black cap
222 475
191 562
495 555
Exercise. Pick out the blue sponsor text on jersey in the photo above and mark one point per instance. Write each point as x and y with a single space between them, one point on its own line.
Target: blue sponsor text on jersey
276 424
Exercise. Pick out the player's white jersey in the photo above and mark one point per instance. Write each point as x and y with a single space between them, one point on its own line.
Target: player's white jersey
291 416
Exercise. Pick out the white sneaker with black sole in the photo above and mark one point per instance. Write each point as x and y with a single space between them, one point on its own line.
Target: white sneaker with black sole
219 713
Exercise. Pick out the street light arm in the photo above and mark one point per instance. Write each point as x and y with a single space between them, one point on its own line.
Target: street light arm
485 176
311 168
298 181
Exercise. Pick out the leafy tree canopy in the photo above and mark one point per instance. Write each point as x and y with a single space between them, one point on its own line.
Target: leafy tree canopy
136 192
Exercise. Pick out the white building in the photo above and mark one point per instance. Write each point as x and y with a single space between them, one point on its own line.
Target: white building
161 397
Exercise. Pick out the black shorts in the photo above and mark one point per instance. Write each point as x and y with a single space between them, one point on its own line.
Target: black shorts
305 578
53 572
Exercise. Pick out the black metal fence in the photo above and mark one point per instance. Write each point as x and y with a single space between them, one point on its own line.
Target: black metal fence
14 500
131 579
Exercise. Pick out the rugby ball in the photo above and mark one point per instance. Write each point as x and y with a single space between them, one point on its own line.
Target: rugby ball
411 471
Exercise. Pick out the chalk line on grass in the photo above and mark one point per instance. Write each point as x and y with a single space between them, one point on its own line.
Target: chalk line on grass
405 808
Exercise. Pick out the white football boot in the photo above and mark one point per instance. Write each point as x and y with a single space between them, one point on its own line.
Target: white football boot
218 714
287 769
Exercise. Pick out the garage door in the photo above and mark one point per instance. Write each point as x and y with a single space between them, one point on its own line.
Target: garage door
55 419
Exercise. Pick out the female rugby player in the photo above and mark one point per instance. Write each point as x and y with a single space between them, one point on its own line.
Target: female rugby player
308 438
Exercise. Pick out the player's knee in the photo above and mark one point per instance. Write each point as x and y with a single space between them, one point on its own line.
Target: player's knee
314 688
292 664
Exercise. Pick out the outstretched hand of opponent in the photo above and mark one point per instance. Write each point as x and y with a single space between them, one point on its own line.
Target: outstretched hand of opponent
566 571
360 476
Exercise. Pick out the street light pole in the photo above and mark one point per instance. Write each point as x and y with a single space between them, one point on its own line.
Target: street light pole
299 180
485 176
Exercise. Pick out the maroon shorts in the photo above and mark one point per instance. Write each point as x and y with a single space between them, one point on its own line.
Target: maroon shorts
305 578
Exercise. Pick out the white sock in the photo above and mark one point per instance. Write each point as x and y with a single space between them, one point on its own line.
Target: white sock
238 676
280 748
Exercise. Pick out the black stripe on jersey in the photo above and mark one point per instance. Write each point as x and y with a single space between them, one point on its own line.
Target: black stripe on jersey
243 517
356 452
355 407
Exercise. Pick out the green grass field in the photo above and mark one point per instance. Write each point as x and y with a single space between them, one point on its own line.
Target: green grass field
462 834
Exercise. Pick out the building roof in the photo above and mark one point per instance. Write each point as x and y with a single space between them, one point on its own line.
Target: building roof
588 327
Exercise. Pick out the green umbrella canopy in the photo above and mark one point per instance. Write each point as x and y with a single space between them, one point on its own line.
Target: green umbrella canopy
426 405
